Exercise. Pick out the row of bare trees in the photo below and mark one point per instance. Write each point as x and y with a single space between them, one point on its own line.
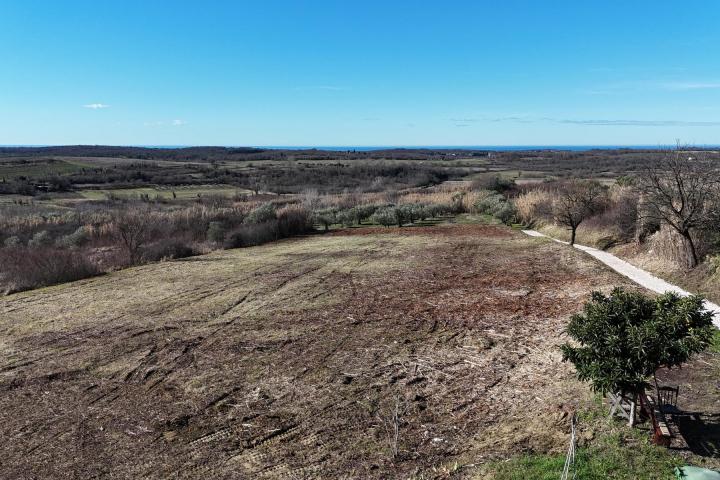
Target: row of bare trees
681 191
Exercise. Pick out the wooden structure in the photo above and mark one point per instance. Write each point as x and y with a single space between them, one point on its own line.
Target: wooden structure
623 406
655 410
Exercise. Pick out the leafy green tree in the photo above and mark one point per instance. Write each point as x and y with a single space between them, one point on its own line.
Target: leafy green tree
625 337
384 216
263 213
362 212
401 215
496 205
216 232
346 217
326 217
41 239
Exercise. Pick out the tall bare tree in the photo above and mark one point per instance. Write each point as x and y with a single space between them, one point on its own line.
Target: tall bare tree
132 228
682 191
576 201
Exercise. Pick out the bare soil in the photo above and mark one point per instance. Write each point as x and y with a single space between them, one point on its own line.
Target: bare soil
695 423
375 353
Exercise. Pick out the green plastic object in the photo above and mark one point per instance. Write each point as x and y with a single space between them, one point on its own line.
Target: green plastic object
696 473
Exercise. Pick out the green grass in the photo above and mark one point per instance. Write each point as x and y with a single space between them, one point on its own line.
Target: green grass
715 345
38 168
182 193
615 452
612 457
477 218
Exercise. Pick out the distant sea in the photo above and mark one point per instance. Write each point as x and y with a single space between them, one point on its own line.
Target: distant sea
498 148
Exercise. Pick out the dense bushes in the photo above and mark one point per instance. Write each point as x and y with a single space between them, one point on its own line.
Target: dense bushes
252 234
76 239
496 205
113 234
286 222
263 213
534 207
28 267
167 249
216 232
293 220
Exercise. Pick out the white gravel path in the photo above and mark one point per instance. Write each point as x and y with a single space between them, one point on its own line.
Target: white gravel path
637 275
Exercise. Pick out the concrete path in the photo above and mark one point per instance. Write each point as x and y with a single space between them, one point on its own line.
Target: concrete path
637 275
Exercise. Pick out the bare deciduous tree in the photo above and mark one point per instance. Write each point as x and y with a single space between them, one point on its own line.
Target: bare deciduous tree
132 229
681 190
578 200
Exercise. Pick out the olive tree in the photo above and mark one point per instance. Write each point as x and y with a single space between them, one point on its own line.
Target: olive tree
263 213
384 216
624 338
326 217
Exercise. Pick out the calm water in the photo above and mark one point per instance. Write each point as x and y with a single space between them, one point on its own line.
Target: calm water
499 148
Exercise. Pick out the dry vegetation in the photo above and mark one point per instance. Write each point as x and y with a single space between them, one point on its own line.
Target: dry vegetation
364 355
371 351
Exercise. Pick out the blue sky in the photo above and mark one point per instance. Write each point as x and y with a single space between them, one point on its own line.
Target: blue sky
359 72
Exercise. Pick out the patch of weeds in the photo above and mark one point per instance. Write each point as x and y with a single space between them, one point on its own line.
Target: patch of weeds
715 344
615 452
625 454
476 218
537 467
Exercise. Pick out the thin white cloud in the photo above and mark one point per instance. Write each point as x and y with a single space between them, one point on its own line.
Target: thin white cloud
621 88
590 121
691 85
162 123
329 88
637 123
96 106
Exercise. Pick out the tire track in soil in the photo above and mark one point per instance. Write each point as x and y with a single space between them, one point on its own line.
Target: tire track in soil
398 330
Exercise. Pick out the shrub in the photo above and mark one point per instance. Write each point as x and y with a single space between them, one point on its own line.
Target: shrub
625 337
411 212
492 182
362 212
166 249
216 232
325 217
534 207
497 205
26 268
263 213
41 239
401 215
438 209
247 235
384 216
13 241
76 239
293 220
346 217
506 213
458 202
132 229
620 218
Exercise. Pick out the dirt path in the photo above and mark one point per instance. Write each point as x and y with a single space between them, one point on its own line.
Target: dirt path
637 275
